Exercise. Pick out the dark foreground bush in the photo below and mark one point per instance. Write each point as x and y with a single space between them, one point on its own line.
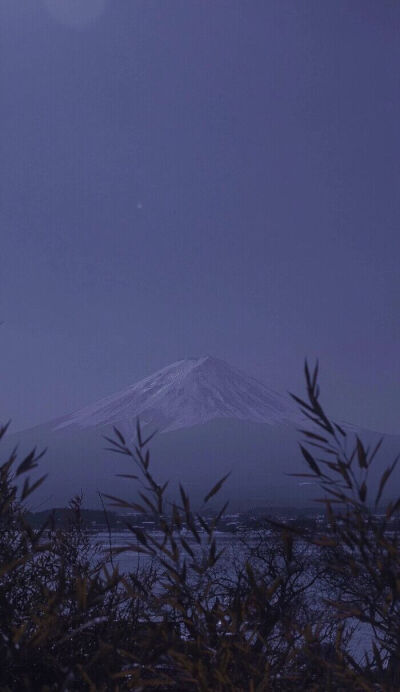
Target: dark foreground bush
299 608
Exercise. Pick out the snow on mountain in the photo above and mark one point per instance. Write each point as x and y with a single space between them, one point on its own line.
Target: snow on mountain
189 392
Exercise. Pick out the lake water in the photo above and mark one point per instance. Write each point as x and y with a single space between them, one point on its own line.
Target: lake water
236 547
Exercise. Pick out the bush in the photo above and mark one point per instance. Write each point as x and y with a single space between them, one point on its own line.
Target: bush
283 614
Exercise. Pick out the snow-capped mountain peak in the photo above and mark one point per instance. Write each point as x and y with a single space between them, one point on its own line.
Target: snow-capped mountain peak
188 392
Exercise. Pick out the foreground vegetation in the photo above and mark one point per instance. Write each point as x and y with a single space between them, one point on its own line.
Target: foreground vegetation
285 617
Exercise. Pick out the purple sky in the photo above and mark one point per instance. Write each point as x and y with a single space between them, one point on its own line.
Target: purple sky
181 177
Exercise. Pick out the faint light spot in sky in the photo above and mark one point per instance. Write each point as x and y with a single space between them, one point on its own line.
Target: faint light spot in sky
139 205
75 13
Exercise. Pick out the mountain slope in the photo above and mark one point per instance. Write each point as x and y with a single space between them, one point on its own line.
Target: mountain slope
214 419
186 393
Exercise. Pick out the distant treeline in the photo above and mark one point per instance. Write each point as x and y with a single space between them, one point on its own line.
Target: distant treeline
94 519
63 516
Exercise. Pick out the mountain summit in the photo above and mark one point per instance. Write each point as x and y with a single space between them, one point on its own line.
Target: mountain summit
187 393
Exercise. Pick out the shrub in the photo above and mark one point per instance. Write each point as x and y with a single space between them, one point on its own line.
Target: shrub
282 614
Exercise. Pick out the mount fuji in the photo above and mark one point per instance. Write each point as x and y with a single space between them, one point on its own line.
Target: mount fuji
187 393
212 418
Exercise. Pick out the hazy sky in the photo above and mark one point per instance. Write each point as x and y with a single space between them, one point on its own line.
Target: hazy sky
181 177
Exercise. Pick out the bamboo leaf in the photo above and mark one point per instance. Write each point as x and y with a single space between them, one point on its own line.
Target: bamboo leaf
310 461
119 435
385 476
216 487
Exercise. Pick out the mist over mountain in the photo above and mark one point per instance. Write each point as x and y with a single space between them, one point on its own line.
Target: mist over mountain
212 419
